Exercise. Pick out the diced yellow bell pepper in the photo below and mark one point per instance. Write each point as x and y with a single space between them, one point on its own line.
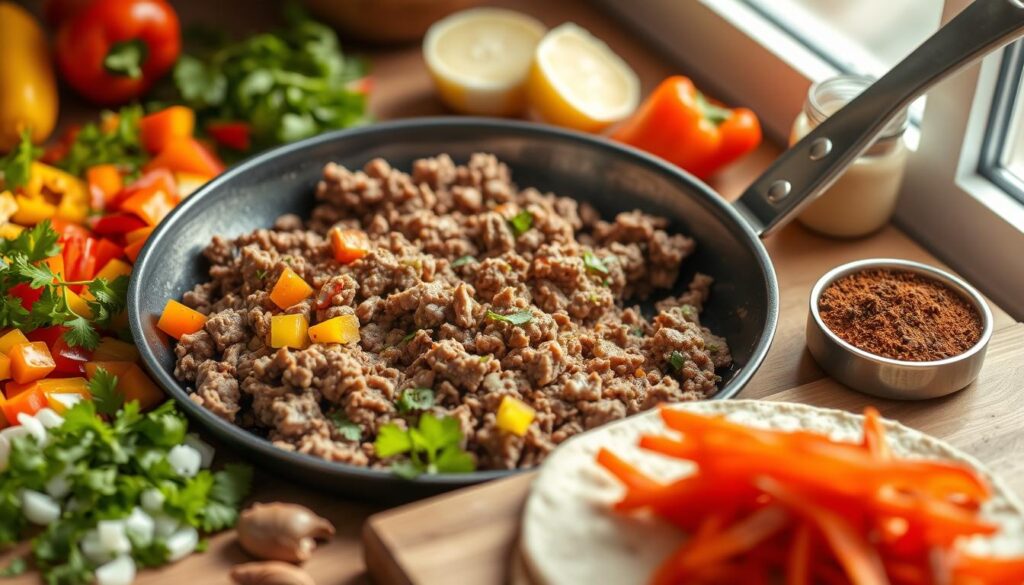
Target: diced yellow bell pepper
113 269
74 206
9 231
77 303
32 210
342 329
115 350
289 331
72 193
5 367
62 402
10 339
8 206
189 182
515 416
290 289
76 385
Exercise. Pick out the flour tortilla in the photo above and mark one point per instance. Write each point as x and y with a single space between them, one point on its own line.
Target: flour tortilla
570 535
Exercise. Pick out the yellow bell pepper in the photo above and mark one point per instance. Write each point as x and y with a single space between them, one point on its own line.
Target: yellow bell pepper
342 329
9 231
32 210
63 393
28 88
8 206
515 416
290 289
77 304
289 331
10 339
72 192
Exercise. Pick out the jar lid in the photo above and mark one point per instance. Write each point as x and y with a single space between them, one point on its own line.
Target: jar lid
827 97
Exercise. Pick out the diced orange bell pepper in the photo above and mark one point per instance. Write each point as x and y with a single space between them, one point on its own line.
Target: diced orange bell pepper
115 368
31 361
151 204
3 416
56 265
133 250
159 129
10 339
290 289
5 367
115 350
104 181
113 269
186 155
137 386
139 234
12 388
178 320
28 402
289 331
340 329
349 245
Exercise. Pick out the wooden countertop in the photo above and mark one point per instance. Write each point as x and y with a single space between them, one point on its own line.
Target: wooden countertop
402 89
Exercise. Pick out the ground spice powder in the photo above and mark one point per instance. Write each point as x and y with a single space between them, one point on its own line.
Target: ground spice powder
900 315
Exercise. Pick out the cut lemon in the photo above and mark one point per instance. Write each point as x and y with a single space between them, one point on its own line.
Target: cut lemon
578 82
480 59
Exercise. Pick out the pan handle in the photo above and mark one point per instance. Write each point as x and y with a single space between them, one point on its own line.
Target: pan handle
804 171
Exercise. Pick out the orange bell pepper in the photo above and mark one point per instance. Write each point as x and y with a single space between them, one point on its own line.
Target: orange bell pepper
116 368
104 182
5 367
31 361
139 234
186 155
349 245
29 402
290 289
115 350
177 320
151 204
137 386
340 329
12 388
159 129
681 126
133 249
10 339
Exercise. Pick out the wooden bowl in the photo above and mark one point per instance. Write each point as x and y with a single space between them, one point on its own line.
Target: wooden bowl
385 21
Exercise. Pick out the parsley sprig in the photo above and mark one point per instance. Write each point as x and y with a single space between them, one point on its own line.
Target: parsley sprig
119 143
21 263
16 166
433 446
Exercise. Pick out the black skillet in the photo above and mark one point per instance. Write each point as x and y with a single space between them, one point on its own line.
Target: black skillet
611 177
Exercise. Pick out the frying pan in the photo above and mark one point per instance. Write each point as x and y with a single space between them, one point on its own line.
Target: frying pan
609 176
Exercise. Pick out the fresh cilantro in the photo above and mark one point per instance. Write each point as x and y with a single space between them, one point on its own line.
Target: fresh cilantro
688 312
676 360
593 263
35 244
433 446
16 166
348 429
16 567
521 222
485 358
462 261
105 395
288 84
408 337
261 274
413 399
230 486
518 318
118 144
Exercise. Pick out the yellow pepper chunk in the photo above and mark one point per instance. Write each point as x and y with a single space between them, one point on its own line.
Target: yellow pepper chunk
515 416
289 331
8 206
290 289
114 268
9 231
10 339
342 329
77 304
5 367
33 210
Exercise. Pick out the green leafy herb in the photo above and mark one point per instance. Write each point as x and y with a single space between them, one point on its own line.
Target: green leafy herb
289 84
688 312
348 429
521 222
16 567
485 358
120 145
16 166
518 318
103 388
413 399
126 58
261 274
433 446
676 360
593 263
462 261
408 337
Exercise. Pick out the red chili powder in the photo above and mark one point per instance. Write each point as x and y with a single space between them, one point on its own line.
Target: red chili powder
900 315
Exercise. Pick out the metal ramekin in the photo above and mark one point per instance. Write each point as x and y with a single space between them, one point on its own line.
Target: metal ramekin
887 377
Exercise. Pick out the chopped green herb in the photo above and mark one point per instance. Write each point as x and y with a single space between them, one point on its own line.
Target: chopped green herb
16 567
462 261
712 348
688 311
413 399
593 263
521 222
433 446
348 429
638 331
261 274
104 392
408 337
606 282
485 358
121 145
676 360
518 318
16 166
593 297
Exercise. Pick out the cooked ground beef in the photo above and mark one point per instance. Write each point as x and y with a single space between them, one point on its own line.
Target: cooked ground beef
444 253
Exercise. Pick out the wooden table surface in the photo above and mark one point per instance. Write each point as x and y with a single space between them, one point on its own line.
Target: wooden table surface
402 89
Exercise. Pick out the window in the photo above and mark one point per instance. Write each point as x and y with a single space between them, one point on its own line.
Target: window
1002 159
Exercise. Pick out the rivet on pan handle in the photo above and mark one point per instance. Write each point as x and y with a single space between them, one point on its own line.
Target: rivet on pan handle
808 168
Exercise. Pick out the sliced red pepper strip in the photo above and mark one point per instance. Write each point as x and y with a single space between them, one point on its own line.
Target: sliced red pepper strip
117 224
798 565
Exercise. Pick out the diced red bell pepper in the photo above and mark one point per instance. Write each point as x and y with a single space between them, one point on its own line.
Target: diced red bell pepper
48 335
80 259
29 401
234 135
70 361
117 224
28 295
106 251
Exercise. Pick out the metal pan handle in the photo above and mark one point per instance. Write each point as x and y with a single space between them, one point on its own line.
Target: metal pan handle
804 171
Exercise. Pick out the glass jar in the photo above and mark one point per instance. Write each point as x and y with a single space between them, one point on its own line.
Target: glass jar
862 200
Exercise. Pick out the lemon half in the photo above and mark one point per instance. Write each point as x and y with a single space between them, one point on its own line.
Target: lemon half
577 81
480 59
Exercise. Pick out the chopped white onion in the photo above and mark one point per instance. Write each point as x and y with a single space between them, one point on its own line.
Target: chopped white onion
182 543
39 508
185 460
206 450
59 485
49 418
140 525
33 426
5 451
165 525
93 549
152 500
113 536
120 571
65 400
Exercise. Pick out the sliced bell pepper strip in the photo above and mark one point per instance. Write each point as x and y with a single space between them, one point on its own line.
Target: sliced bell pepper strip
28 402
13 388
68 230
158 129
106 251
798 565
30 361
32 210
48 335
80 259
874 434
186 155
113 269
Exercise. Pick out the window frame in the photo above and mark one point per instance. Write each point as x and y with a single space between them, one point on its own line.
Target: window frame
1006 110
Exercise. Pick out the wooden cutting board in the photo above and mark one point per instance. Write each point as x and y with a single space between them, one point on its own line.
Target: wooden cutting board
468 536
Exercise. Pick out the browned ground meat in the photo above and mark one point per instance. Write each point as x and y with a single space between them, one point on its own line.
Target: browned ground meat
444 253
